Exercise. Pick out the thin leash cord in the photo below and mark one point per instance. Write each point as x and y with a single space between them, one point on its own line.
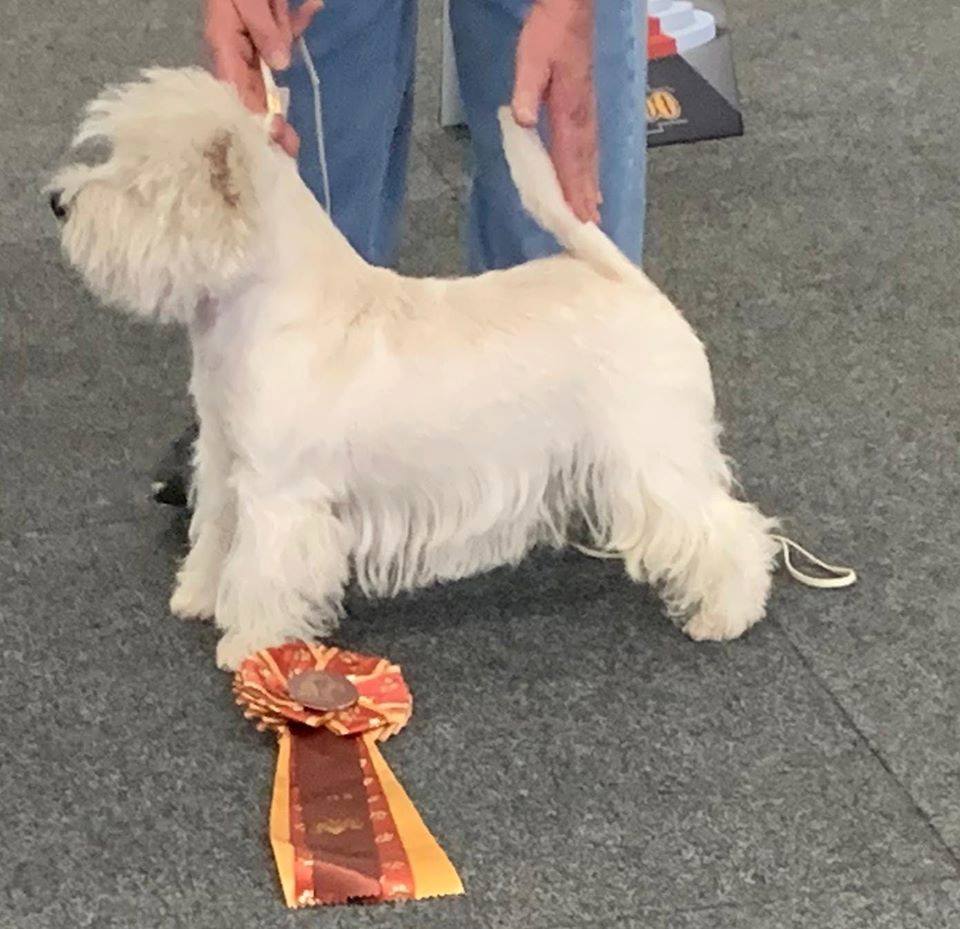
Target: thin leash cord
277 106
841 576
318 122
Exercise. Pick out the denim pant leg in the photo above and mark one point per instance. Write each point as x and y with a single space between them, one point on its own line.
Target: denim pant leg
364 53
499 233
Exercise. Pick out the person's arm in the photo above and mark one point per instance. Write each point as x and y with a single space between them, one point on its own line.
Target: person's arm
239 32
555 69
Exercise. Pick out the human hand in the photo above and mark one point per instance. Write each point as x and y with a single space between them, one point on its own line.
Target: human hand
554 67
239 33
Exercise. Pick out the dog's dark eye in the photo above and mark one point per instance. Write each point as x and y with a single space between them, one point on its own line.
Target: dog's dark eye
59 210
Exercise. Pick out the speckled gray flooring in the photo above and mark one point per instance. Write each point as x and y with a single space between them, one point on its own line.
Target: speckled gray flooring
582 763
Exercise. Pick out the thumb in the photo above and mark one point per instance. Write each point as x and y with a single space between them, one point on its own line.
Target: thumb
270 40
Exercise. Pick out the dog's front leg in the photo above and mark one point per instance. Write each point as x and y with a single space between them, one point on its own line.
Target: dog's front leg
211 526
286 570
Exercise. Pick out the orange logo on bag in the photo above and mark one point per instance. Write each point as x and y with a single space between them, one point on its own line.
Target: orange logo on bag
662 105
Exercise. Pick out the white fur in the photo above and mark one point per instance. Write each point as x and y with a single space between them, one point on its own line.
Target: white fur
410 430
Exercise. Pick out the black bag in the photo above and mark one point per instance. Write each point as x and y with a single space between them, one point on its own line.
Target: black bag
692 87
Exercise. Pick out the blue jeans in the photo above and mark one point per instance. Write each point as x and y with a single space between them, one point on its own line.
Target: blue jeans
364 55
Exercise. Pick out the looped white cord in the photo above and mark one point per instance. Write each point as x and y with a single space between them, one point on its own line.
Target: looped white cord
841 576
278 99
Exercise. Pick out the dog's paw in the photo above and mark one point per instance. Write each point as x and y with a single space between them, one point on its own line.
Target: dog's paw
706 626
192 599
233 650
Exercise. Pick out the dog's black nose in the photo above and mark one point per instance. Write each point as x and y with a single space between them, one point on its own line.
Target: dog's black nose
59 210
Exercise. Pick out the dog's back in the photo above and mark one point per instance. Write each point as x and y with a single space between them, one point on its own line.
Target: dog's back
541 196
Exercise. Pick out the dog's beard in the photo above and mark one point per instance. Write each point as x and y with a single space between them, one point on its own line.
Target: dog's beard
124 258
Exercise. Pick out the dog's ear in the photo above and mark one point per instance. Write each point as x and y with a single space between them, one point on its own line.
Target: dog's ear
215 211
189 215
225 168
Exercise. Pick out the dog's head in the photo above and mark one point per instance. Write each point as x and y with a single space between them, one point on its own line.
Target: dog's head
170 218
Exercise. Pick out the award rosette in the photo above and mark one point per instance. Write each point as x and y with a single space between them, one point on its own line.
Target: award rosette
341 826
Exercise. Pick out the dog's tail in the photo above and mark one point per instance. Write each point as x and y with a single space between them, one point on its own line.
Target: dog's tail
542 198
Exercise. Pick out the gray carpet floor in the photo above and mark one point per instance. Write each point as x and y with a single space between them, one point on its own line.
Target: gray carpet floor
583 764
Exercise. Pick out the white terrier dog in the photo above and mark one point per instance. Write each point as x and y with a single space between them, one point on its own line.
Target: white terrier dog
416 430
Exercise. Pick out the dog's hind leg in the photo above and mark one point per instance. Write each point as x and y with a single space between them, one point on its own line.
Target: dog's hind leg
731 570
211 527
681 530
285 573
